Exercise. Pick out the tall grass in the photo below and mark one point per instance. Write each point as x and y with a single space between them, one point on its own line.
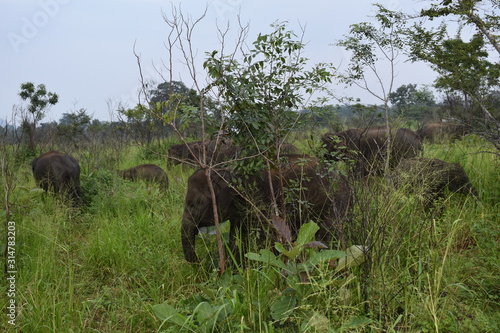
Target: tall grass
102 268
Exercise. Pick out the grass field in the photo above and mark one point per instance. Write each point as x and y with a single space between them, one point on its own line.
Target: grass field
117 265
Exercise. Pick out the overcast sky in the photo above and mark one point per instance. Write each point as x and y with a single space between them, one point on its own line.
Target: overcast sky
83 50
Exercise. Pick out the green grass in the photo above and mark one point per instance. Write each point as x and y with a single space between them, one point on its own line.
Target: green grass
104 268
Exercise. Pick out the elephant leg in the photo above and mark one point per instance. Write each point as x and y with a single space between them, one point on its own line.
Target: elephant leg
188 238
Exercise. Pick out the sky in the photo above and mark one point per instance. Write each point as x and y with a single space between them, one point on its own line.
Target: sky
84 50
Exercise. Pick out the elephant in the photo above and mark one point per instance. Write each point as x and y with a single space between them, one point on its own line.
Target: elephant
146 172
216 151
58 173
429 177
180 152
309 195
367 147
442 132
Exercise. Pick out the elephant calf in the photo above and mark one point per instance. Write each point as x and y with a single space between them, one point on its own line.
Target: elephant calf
58 173
431 177
309 194
146 172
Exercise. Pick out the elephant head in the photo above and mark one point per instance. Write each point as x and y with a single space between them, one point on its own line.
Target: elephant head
407 144
198 206
436 132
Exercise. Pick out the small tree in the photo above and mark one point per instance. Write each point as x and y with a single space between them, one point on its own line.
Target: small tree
175 93
260 97
374 48
39 102
72 127
263 94
413 103
464 65
139 122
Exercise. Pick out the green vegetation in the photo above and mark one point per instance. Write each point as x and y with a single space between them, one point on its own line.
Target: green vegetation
118 263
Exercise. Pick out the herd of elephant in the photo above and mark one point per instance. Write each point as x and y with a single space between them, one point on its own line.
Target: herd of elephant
313 190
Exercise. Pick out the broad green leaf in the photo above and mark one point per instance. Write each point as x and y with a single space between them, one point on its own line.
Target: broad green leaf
209 315
319 322
355 255
283 307
207 291
279 247
322 256
204 311
267 257
355 322
307 233
293 252
166 312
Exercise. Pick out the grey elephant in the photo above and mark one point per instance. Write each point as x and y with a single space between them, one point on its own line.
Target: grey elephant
442 132
146 172
191 152
309 195
367 147
430 177
58 173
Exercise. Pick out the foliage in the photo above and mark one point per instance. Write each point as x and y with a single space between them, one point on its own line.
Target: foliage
39 100
73 127
140 123
263 93
374 52
471 12
371 45
106 268
301 276
462 66
328 116
96 184
411 102
180 105
463 63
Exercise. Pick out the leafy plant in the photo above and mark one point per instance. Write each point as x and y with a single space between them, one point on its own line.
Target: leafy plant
299 275
262 93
